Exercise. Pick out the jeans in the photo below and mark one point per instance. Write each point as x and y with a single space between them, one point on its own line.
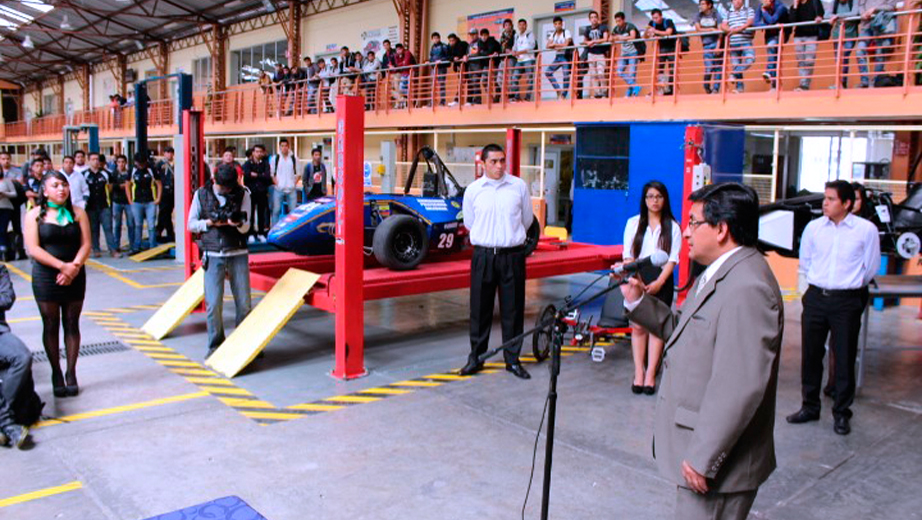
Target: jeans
666 71
805 48
15 364
882 48
627 70
558 63
144 211
598 76
101 216
439 73
277 195
742 57
771 68
522 68
847 47
713 62
218 268
117 210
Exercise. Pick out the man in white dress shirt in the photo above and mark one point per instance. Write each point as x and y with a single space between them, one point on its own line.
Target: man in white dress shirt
79 190
840 254
497 213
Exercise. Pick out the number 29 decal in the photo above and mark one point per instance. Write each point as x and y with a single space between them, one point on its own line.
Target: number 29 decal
446 240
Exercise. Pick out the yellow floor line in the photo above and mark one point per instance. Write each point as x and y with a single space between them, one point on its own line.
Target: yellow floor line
313 407
352 399
15 270
416 383
224 390
385 391
209 381
23 320
447 377
120 409
114 274
236 402
272 415
189 364
42 493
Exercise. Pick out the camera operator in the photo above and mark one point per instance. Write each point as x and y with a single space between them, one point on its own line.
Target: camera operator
218 216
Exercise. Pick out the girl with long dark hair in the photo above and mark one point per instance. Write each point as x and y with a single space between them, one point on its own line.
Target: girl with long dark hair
654 228
57 236
862 206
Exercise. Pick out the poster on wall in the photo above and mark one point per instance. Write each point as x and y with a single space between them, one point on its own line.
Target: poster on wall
371 40
492 20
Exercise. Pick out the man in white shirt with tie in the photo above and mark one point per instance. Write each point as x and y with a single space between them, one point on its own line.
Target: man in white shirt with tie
839 254
497 213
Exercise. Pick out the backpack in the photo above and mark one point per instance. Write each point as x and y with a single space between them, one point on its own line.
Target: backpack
27 406
275 165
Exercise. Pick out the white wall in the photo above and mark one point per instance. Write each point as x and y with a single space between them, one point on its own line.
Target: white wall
104 85
74 93
345 26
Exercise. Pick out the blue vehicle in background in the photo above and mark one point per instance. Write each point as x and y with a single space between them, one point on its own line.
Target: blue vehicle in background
401 230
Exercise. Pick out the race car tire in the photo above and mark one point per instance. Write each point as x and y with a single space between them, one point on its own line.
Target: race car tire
541 339
400 242
532 236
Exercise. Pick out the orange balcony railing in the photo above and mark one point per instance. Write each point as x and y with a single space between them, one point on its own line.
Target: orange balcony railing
764 69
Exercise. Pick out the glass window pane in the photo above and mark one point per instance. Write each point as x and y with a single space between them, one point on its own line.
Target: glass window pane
258 57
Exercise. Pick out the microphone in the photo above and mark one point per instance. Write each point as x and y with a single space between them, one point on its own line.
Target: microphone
657 259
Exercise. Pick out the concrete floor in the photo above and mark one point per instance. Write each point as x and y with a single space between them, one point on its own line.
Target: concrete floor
459 450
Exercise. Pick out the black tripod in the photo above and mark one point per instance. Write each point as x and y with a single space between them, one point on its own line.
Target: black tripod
557 330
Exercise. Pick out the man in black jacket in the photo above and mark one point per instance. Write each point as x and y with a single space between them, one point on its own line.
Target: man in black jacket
257 177
457 50
486 47
15 369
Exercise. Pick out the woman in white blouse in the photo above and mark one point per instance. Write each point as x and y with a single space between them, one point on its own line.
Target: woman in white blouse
654 228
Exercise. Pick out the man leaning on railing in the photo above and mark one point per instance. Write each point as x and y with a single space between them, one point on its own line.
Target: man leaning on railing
772 13
524 48
877 23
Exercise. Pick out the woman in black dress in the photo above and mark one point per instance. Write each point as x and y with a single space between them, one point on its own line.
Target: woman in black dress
57 235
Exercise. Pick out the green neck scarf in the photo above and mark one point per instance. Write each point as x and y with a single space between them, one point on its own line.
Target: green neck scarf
65 217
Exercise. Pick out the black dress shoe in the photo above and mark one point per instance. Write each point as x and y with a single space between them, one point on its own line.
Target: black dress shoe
803 415
472 367
649 390
517 370
636 389
841 425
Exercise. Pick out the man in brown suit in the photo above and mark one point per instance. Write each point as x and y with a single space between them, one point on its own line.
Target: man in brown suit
715 414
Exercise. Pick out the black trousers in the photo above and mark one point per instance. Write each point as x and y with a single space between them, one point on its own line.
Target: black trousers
490 272
839 314
260 218
165 218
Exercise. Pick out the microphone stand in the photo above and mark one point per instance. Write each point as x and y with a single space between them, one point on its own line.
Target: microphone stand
560 328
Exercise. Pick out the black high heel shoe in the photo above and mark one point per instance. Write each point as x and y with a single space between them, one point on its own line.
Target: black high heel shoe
636 389
57 385
649 390
72 390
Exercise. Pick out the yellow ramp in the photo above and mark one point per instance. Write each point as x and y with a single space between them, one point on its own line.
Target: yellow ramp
153 252
263 323
180 305
559 233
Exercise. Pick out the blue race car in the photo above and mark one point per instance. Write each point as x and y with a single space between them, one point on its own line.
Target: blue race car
400 229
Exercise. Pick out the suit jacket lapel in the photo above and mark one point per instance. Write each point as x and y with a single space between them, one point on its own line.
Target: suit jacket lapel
692 304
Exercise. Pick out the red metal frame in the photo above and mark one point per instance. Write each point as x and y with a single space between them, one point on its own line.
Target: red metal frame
350 237
694 140
191 255
514 151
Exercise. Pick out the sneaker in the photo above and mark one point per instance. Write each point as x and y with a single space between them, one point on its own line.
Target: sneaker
16 435
262 239
251 240
453 104
767 77
3 439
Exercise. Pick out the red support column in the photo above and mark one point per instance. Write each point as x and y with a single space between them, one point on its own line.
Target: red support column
348 280
514 151
694 140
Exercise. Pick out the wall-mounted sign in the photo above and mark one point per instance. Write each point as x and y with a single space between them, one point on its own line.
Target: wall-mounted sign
492 20
371 40
560 7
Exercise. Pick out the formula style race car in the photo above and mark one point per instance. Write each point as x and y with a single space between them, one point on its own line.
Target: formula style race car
401 230
782 223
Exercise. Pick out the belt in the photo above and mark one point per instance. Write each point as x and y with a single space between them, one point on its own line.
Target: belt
500 250
837 292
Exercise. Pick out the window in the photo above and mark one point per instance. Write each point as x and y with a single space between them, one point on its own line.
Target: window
49 104
246 63
201 73
602 157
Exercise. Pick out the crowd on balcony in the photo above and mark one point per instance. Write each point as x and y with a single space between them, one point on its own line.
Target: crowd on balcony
504 66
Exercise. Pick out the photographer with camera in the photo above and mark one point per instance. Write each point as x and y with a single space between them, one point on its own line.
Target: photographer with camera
218 216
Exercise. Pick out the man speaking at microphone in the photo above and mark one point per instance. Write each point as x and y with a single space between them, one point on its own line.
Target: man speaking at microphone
497 212
715 414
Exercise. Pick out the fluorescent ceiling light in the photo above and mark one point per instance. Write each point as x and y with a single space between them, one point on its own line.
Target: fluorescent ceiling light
270 7
65 24
139 45
27 42
38 5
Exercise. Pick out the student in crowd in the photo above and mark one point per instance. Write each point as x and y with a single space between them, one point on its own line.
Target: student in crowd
33 183
805 38
625 32
841 11
224 243
439 59
121 181
457 52
739 19
7 194
48 165
79 191
473 68
16 250
524 49
80 163
840 255
560 41
403 60
388 55
507 58
257 177
98 208
228 157
488 50
772 13
166 169
598 48
653 229
709 21
144 196
58 239
314 178
330 75
370 68
284 168
876 29
15 371
665 30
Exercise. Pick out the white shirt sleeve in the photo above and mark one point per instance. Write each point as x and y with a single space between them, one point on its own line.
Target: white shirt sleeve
467 206
528 214
806 247
244 228
196 223
676 243
871 254
630 229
